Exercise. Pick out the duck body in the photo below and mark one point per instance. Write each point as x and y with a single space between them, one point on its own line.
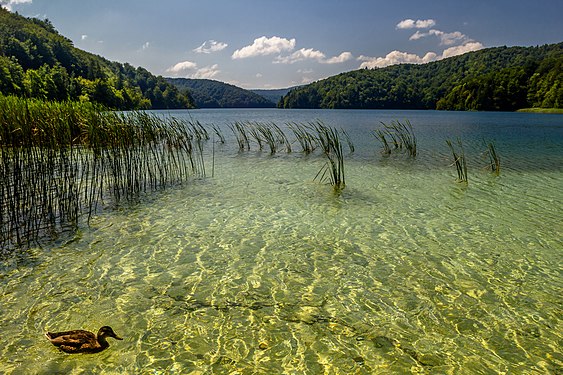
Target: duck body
80 341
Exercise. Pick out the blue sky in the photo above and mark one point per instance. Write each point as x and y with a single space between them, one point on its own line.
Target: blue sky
282 43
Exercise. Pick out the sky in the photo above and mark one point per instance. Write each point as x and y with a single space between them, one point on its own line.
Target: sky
269 44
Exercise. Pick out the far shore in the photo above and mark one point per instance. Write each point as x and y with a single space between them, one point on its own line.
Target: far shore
541 110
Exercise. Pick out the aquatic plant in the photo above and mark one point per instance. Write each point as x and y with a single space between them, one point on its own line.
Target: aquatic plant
400 135
219 134
459 160
61 161
304 136
240 132
330 143
494 160
281 137
348 140
381 135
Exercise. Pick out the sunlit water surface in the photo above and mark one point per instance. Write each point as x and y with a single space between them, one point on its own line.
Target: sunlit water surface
260 269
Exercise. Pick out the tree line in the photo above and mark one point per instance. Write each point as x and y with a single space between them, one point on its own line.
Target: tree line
493 79
37 62
208 93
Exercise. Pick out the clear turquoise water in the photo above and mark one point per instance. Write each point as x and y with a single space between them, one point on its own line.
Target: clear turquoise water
260 269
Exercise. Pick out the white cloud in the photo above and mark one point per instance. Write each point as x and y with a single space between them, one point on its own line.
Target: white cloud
398 57
305 71
190 69
418 24
145 46
459 43
395 57
343 57
182 66
7 4
459 50
207 72
300 55
418 35
265 46
306 80
446 39
312 54
84 37
211 46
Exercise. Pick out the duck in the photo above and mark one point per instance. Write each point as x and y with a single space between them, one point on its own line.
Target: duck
80 341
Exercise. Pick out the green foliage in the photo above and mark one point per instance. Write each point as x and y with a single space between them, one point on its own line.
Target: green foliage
59 161
400 135
273 95
501 79
37 62
459 160
213 94
331 144
494 160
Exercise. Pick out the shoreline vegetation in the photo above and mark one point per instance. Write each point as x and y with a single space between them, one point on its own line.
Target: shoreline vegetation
541 110
60 162
491 79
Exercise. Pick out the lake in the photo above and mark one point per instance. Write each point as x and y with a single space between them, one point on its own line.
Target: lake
259 268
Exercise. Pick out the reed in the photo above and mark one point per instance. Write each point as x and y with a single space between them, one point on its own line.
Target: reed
348 140
494 160
459 160
304 136
381 136
219 134
241 135
281 137
333 170
400 135
60 161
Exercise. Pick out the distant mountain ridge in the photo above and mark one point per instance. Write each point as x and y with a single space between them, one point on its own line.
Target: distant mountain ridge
273 95
492 79
208 93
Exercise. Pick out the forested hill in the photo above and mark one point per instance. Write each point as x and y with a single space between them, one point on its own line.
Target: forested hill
493 79
214 94
36 61
273 95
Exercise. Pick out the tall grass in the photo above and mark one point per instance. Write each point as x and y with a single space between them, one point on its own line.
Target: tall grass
303 134
310 136
240 132
494 160
262 134
459 160
61 161
331 144
398 134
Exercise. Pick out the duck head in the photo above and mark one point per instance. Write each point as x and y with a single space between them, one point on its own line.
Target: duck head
106 331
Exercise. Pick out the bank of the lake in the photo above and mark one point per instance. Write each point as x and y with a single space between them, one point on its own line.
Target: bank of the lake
542 110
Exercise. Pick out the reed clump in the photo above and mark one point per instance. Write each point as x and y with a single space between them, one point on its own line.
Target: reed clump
304 135
310 136
494 160
459 160
331 144
61 161
262 134
397 136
